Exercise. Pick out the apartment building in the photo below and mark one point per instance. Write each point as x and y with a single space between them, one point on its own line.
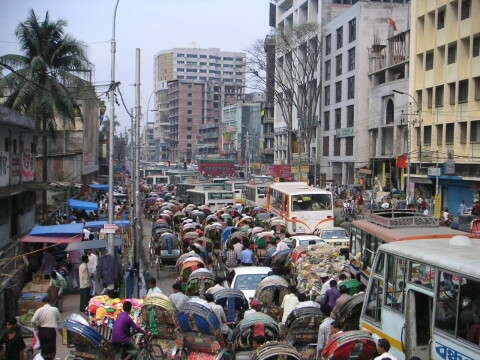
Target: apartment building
445 81
196 84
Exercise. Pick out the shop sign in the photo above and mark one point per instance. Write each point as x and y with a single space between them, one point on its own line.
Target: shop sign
449 167
345 132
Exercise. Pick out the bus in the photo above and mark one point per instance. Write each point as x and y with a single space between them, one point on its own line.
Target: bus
382 227
183 187
424 298
256 194
304 208
215 199
179 176
236 186
158 180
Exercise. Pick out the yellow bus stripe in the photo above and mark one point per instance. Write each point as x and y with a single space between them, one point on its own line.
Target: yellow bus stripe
393 342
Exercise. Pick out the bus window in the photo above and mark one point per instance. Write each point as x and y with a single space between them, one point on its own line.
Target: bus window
396 282
422 274
380 264
311 202
374 300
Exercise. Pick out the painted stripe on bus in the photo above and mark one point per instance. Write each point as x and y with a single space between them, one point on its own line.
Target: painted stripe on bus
393 342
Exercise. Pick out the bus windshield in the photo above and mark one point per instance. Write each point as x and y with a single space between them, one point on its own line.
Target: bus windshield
311 202
218 196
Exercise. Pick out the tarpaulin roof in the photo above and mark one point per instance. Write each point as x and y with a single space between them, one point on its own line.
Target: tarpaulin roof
82 205
99 186
93 244
99 224
51 239
57 230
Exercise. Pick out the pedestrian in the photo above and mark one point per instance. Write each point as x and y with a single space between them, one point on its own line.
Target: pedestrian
230 258
246 256
86 234
289 302
153 288
178 297
13 340
92 268
46 319
342 300
47 353
332 294
325 278
476 209
238 247
84 283
383 346
462 209
59 282
324 330
271 248
48 263
75 260
218 286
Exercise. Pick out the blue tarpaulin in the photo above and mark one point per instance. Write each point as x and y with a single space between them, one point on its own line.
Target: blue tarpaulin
99 186
82 205
93 244
57 230
99 224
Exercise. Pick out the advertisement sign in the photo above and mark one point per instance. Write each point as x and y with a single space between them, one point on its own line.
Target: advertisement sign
345 132
402 178
28 165
449 167
438 206
109 228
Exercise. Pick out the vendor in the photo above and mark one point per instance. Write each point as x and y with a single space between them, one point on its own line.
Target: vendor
153 288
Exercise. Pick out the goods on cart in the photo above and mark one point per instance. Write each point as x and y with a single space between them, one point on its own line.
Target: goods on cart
103 311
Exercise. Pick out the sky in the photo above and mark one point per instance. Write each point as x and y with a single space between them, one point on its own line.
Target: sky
150 25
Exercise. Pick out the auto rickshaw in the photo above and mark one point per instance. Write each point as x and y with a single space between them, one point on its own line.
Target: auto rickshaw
199 282
234 304
270 293
302 324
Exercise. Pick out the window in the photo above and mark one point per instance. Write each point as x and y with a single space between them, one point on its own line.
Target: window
451 89
352 30
189 120
439 129
349 146
192 56
351 87
327 95
429 61
338 62
338 119
339 37
228 58
180 69
328 69
419 98
336 146
463 132
396 282
475 131
189 111
189 103
328 44
338 92
429 97
439 96
326 145
452 53
441 19
427 135
189 128
180 55
326 120
374 300
189 136
239 59
189 145
180 62
463 91
476 84
389 113
189 94
203 56
351 59
180 77
476 46
191 70
350 116
466 8
7 144
449 133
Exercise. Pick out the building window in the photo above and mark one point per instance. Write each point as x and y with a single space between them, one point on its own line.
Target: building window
189 94
452 54
327 95
189 136
352 30
189 103
189 145
191 70
189 111
180 55
476 46
427 135
463 91
439 129
338 62
336 146
439 96
338 119
180 69
429 97
326 145
189 120
466 8
349 146
463 132
192 56
189 128
350 116
441 19
419 98
449 133
338 92
389 113
351 87
339 37
475 131
328 69
451 90
328 44
429 61
476 83
326 120
351 59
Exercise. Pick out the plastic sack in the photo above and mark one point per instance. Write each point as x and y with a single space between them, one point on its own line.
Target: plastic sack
36 340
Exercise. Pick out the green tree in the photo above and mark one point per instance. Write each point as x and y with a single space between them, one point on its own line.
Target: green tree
46 80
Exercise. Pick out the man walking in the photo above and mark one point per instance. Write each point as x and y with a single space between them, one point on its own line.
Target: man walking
59 282
84 283
289 302
46 320
92 268
324 330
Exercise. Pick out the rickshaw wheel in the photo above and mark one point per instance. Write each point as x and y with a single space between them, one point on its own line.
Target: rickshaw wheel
157 353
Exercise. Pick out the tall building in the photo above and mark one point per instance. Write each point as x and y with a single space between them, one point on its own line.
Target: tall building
196 84
445 83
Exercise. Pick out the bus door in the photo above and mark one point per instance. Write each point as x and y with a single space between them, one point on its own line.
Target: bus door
418 324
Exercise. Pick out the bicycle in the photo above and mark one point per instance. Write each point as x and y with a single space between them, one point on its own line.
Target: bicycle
148 350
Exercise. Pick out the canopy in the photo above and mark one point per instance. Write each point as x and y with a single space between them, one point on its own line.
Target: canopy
93 244
99 186
55 239
82 205
100 224
65 230
117 194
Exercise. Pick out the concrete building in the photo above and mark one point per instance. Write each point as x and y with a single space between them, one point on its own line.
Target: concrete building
445 81
196 84
346 86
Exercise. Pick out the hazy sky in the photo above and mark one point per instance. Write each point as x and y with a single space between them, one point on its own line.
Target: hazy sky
151 25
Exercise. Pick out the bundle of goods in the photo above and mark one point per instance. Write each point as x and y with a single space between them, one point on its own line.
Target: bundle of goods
102 310
320 258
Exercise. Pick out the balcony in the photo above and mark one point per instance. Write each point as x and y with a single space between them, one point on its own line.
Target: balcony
210 136
281 148
209 126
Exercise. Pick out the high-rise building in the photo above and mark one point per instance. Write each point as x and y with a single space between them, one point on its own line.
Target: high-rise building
191 87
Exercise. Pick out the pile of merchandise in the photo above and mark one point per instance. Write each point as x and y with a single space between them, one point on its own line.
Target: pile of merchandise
102 310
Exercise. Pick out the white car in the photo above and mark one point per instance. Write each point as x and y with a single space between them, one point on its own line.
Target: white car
336 236
246 279
304 240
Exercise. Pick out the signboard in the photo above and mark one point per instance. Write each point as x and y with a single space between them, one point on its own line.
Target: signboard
345 132
402 179
438 206
109 228
449 167
434 171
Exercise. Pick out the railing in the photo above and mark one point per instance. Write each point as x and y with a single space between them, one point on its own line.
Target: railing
399 219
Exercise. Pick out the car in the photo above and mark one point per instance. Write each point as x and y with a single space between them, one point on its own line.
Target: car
336 236
304 240
246 279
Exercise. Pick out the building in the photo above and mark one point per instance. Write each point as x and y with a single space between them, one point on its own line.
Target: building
445 82
196 84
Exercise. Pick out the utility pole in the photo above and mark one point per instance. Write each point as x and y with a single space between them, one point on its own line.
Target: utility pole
137 232
247 154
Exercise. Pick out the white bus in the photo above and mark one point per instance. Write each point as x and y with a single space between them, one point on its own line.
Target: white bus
256 194
236 186
158 180
424 297
215 199
304 208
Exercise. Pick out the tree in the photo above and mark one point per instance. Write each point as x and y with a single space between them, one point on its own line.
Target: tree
105 124
46 81
296 80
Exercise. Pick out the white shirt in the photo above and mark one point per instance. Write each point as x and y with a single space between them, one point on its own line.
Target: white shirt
84 276
46 316
385 355
86 234
218 310
288 304
92 263
214 289
39 357
156 289
249 313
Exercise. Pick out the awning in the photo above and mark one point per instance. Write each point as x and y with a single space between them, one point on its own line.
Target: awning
93 244
51 239
100 224
418 180
82 205
364 171
99 186
58 230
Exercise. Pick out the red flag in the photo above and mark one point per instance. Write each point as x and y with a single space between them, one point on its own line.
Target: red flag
402 161
392 24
